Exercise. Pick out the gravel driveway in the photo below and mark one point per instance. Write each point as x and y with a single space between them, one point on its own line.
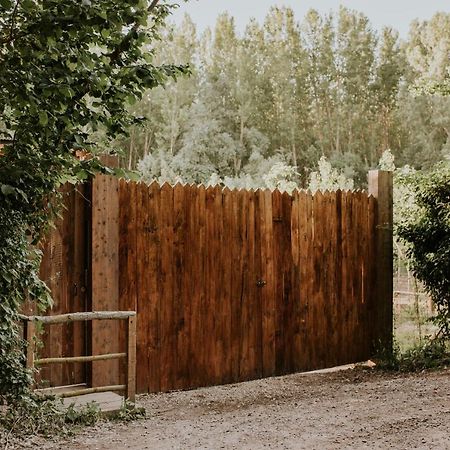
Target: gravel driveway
358 408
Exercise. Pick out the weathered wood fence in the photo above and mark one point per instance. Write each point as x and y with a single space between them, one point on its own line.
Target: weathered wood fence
236 285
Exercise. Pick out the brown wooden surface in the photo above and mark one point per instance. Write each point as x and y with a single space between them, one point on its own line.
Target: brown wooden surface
105 276
65 268
381 186
131 359
235 285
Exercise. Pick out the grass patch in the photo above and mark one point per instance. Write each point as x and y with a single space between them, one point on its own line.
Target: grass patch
49 418
412 327
428 355
46 417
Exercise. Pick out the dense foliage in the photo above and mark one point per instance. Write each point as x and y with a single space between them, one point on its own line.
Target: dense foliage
286 93
427 233
68 71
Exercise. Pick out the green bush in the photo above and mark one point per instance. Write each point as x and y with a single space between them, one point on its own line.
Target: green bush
427 236
46 417
69 70
430 354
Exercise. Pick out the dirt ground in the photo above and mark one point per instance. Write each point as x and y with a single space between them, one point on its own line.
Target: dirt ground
358 408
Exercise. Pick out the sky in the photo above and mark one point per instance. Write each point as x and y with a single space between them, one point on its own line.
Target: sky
395 13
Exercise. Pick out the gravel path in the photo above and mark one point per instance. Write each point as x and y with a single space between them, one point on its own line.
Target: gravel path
359 408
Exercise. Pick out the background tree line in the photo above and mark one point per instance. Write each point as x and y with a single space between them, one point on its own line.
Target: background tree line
266 105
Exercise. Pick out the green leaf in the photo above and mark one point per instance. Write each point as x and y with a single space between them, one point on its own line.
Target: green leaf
7 189
43 118
102 14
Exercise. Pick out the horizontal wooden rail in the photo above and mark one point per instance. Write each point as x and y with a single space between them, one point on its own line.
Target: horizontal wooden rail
130 316
77 317
94 390
72 359
409 293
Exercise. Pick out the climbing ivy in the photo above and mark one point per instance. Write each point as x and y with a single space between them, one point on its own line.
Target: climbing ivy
68 71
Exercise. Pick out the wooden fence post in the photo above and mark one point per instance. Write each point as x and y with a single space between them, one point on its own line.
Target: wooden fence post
105 275
131 359
30 331
381 187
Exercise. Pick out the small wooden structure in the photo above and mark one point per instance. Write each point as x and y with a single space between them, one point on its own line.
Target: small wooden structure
130 355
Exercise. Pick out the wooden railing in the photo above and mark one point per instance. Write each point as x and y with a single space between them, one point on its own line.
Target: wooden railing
129 388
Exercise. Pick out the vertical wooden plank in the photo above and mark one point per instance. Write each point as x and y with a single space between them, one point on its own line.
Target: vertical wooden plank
277 211
105 275
140 264
362 251
220 287
227 245
287 304
338 263
178 276
127 262
372 267
67 299
366 250
236 283
352 276
150 289
192 289
30 332
302 339
252 294
197 273
293 343
258 281
316 287
243 308
323 267
332 282
202 291
209 332
346 298
79 287
127 246
131 359
357 276
168 326
268 299
54 341
381 187
188 291
306 223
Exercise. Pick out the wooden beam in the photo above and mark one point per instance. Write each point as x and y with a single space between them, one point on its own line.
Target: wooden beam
72 359
29 336
74 393
131 362
82 316
381 187
105 275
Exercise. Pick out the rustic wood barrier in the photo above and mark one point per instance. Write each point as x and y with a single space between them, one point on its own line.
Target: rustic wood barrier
130 355
232 285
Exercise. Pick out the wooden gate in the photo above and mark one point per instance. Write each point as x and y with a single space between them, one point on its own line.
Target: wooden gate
228 285
234 285
65 269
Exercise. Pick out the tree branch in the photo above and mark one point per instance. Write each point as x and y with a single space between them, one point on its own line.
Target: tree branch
10 37
114 55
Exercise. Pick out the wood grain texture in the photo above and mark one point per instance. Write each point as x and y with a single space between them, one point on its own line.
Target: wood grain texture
105 275
230 285
64 269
